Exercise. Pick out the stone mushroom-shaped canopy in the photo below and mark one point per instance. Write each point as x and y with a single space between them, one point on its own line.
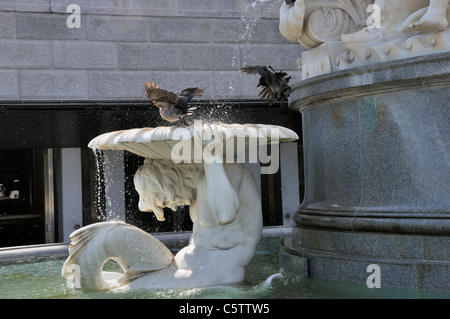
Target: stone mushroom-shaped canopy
159 142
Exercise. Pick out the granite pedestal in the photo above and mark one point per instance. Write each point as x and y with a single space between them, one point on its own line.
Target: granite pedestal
376 143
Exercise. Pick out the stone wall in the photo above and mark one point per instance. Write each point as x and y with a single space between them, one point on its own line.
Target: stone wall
122 44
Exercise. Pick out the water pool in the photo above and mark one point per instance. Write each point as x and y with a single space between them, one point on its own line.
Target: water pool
42 280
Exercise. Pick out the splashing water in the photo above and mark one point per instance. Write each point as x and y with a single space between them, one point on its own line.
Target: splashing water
99 184
269 280
250 18
251 15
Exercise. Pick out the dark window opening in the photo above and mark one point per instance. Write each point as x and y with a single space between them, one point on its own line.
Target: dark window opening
22 204
271 201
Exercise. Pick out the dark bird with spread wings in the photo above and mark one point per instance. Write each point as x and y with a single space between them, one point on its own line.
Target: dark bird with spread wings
275 84
172 106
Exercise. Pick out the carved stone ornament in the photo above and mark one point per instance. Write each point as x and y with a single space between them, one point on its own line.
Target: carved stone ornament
350 33
315 22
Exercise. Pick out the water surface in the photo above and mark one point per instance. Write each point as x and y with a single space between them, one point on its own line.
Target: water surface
42 279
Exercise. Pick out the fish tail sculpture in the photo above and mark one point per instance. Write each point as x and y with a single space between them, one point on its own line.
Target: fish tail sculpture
137 252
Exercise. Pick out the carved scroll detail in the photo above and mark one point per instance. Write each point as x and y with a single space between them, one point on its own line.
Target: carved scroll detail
315 22
338 37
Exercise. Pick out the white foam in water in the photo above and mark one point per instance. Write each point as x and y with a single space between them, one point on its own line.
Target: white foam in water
269 280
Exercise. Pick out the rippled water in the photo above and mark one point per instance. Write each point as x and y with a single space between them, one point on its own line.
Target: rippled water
43 279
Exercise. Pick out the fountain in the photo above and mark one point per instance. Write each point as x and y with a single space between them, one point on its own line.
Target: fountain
200 166
376 161
374 102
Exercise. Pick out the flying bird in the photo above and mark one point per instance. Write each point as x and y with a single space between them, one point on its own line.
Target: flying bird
275 84
172 106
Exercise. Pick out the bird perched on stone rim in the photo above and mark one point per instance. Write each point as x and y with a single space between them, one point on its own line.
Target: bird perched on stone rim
172 106
275 84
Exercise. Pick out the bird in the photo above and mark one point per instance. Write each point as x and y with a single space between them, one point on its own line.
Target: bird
172 106
275 84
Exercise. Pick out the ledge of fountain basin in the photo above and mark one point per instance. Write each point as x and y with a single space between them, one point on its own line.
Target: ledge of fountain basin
183 236
292 260
430 275
29 253
417 72
33 253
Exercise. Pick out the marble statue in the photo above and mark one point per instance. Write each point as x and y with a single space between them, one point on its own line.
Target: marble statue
224 206
313 23
435 17
340 34
403 17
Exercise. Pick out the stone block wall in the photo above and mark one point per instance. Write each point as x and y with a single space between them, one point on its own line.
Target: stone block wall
122 44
